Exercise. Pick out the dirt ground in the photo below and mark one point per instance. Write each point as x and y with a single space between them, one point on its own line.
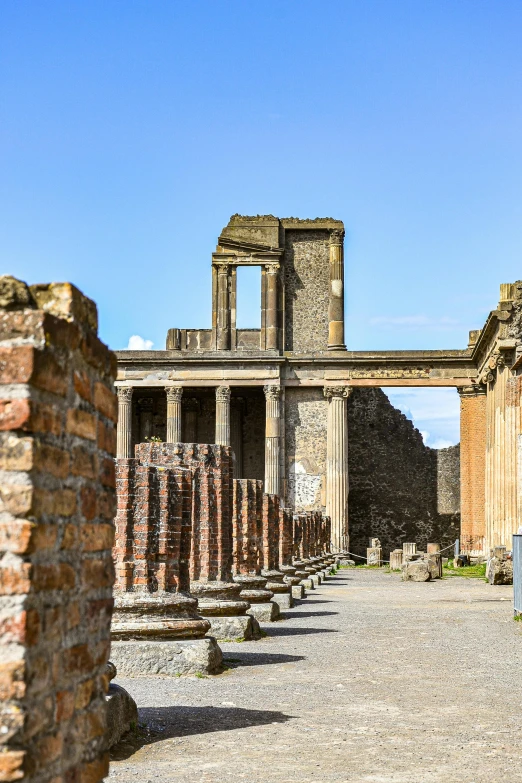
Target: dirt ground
368 679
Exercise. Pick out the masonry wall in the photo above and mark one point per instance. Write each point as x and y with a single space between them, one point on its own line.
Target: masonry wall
306 411
400 490
307 284
57 441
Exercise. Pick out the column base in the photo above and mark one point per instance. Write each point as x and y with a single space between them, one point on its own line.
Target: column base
244 628
298 592
284 600
167 658
265 613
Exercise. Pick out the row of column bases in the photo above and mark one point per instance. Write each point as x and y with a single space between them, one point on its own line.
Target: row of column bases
336 448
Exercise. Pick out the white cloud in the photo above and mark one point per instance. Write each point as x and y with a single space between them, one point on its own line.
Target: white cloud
441 443
414 321
137 343
434 411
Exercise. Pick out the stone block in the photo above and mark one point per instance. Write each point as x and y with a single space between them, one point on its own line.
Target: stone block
242 628
265 613
122 714
298 592
283 600
167 658
416 571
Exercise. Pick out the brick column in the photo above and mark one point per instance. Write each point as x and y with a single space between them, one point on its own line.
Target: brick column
223 415
337 464
273 440
174 395
472 468
124 436
58 414
336 303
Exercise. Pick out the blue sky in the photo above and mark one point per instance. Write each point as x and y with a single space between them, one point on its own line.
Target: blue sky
131 131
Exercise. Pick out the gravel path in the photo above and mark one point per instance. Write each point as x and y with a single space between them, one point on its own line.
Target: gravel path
369 679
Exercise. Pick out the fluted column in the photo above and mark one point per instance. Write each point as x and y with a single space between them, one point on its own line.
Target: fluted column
337 464
272 273
124 431
336 302
223 308
273 440
223 415
174 395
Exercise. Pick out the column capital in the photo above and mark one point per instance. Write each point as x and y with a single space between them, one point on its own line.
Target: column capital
223 394
336 236
272 268
222 267
473 390
272 392
174 393
337 391
124 393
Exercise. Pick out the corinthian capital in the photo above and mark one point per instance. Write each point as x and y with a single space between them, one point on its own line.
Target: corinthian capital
124 393
223 394
174 393
473 390
337 391
272 392
336 236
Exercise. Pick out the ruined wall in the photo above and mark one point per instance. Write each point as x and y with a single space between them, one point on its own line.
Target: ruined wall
306 411
400 490
254 421
57 441
307 284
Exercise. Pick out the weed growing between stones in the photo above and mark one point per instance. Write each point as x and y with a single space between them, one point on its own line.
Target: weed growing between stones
477 571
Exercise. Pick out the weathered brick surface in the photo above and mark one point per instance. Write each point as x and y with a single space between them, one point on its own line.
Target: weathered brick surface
211 469
247 517
473 472
56 569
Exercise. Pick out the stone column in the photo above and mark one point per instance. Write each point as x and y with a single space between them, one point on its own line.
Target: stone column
337 464
174 395
272 440
272 276
223 415
124 431
223 308
336 303
472 468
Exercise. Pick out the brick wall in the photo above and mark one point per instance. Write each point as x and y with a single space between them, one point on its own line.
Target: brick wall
473 471
57 441
211 467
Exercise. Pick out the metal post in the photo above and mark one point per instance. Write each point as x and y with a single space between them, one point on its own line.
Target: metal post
517 573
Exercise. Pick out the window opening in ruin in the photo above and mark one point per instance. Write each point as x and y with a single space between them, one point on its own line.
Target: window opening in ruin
248 297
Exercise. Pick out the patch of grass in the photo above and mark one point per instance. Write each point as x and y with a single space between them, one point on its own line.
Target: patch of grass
518 618
201 676
470 572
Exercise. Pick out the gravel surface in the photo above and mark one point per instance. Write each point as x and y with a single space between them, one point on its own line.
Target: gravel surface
369 679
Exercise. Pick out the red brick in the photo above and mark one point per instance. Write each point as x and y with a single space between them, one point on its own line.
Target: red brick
65 704
14 414
82 385
49 459
15 536
105 401
107 473
16 364
97 537
81 423
84 463
95 771
59 576
45 418
11 765
98 573
49 374
15 580
88 502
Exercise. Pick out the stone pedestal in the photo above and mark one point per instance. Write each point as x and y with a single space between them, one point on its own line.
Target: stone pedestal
374 553
435 559
499 569
304 575
281 590
161 633
253 590
221 604
396 560
408 550
122 711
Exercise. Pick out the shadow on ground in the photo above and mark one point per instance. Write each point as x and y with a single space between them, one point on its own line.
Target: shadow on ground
237 658
296 615
161 723
275 631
